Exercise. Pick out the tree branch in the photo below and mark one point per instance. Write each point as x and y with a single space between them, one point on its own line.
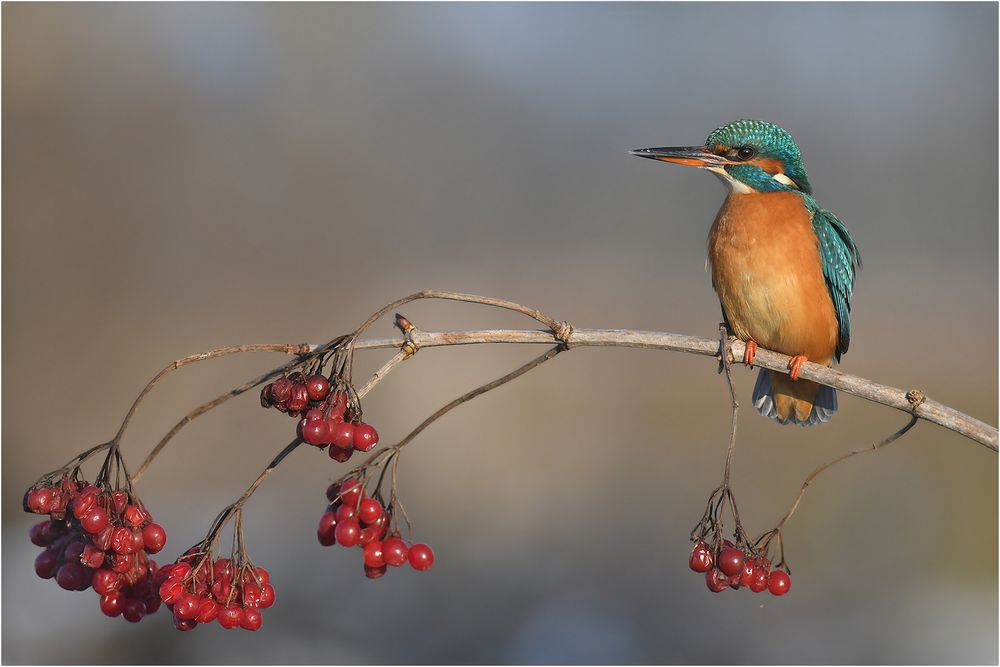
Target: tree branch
929 410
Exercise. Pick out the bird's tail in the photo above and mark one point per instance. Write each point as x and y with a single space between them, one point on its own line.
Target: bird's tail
788 401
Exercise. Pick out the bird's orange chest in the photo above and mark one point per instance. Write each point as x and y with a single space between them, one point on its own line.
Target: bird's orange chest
767 272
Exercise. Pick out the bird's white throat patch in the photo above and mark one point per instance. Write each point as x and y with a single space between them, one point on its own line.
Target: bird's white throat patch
739 187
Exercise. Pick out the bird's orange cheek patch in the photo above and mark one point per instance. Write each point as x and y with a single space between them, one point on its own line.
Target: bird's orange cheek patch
770 165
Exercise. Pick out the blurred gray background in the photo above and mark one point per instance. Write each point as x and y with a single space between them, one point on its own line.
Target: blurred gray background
179 177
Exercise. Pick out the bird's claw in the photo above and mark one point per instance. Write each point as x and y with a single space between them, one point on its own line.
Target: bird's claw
750 353
796 365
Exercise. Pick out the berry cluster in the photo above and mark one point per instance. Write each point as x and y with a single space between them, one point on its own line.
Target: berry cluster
729 566
97 538
352 519
326 417
203 590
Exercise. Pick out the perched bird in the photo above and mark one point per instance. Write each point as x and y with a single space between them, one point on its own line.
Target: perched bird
782 265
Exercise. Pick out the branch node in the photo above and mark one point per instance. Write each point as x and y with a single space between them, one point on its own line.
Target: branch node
916 398
562 332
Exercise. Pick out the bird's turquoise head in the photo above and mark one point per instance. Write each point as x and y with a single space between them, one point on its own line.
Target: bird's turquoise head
751 155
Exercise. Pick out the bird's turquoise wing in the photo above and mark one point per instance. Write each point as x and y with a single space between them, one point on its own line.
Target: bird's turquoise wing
841 261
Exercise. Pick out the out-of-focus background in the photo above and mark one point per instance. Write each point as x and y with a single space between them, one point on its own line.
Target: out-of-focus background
180 177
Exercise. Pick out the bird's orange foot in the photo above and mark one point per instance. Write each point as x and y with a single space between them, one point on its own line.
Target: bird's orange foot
750 353
796 365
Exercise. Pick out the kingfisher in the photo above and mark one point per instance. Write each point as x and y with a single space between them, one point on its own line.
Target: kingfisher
782 265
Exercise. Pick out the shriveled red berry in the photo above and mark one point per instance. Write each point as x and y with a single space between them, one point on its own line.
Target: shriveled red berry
120 500
92 556
104 581
208 611
316 387
730 561
230 617
326 532
113 603
421 557
365 437
122 562
171 590
700 559
251 595
154 538
180 570
40 500
134 515
395 551
121 541
267 396
83 504
343 435
779 582
299 398
370 510
187 607
348 532
373 554
102 539
252 619
96 521
134 611
746 574
716 580
281 390
46 564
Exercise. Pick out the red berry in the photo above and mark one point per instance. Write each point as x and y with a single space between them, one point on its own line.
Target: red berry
266 596
40 534
730 561
373 554
394 551
113 603
46 564
345 512
316 387
370 510
134 611
71 576
154 537
251 595
348 532
208 610
40 500
104 581
365 437
716 580
315 432
180 570
171 590
262 575
138 542
343 435
230 617
102 539
746 575
779 582
340 455
326 530
184 624
333 493
122 562
375 572
339 404
701 558
96 521
351 491
758 583
152 604
120 500
267 396
251 620
187 607
421 557
372 533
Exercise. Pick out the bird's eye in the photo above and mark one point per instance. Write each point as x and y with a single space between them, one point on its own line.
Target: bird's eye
745 152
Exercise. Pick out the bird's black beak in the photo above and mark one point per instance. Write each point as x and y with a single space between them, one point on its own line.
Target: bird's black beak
692 156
